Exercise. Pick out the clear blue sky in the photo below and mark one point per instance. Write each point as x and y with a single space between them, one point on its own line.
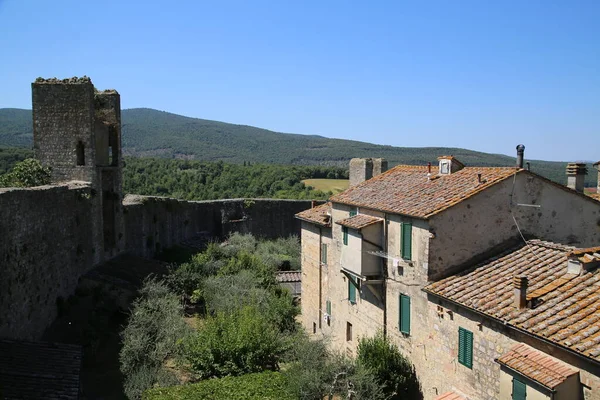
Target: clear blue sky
483 75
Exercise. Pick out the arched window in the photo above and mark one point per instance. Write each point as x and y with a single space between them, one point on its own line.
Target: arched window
80 153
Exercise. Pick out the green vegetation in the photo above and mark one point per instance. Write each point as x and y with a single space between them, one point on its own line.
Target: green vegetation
195 180
390 367
150 338
244 317
9 156
243 341
260 386
328 185
26 173
148 132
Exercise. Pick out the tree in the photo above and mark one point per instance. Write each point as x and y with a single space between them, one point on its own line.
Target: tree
392 370
26 173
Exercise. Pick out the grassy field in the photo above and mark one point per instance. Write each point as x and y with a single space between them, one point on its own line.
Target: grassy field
335 185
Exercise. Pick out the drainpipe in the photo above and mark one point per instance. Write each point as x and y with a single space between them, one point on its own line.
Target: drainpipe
384 270
320 278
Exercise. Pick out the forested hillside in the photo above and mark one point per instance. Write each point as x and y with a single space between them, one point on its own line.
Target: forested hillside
148 132
198 180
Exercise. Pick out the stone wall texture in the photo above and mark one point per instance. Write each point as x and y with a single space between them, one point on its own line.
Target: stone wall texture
45 246
155 223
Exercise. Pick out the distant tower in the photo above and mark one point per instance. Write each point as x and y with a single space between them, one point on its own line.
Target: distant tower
77 132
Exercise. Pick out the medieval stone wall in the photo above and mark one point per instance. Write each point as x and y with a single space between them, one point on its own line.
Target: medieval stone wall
45 246
155 223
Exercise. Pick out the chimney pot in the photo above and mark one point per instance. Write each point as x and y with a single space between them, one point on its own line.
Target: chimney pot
576 173
520 284
520 154
313 204
479 178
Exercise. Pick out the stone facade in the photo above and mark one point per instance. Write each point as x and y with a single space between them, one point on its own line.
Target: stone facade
46 246
442 245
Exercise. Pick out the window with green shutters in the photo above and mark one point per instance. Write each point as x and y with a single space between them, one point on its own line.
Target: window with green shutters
345 234
353 212
407 240
352 283
404 316
519 390
328 307
323 253
465 347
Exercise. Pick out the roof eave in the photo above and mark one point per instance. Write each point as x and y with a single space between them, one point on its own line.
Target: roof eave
505 323
312 221
383 210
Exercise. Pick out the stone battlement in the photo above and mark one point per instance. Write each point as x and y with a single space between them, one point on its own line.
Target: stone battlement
67 81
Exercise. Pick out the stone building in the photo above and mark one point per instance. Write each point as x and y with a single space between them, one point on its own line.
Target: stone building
391 239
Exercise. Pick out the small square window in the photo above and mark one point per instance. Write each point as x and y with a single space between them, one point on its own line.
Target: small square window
348 332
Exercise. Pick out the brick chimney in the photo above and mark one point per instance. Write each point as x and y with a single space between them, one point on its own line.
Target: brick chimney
597 166
520 284
362 169
380 165
576 173
520 155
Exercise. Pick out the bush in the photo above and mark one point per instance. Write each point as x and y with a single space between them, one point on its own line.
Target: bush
228 293
154 327
314 373
234 343
260 386
390 367
26 173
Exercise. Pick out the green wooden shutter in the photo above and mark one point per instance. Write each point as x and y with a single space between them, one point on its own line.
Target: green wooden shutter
461 345
353 212
519 390
351 290
328 306
404 317
469 349
345 234
465 347
407 240
324 253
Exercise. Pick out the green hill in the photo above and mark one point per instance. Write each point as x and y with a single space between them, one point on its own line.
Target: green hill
148 132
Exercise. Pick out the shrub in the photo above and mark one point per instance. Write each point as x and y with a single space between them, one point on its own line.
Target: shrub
314 373
233 344
259 386
150 337
228 293
390 367
26 173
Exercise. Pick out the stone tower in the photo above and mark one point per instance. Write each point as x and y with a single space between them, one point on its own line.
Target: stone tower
77 132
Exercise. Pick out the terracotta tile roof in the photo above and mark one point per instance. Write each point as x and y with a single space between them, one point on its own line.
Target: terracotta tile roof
289 276
536 365
595 196
405 189
320 215
359 221
31 370
450 396
566 306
